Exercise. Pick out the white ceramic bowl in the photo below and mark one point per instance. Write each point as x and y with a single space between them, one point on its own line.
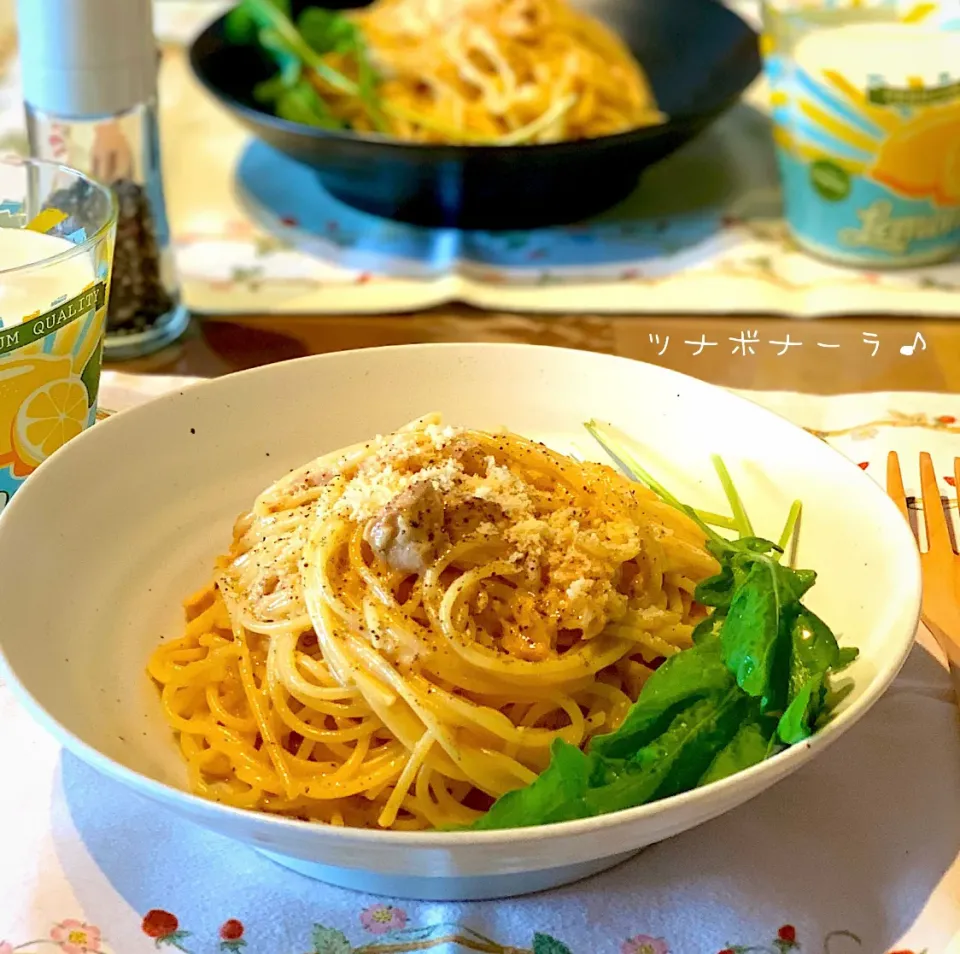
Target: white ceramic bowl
106 538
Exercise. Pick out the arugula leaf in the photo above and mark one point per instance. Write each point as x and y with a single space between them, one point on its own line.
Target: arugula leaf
708 628
717 591
759 598
777 699
555 795
682 680
814 655
846 657
694 739
833 696
749 746
756 545
750 631
575 785
796 723
814 650
793 584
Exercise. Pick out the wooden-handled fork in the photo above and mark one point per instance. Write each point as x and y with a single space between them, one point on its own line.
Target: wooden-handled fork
939 564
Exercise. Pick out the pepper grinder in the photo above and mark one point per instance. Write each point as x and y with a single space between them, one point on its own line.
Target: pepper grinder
90 93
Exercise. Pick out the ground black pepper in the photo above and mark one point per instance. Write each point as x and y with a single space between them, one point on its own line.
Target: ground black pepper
138 298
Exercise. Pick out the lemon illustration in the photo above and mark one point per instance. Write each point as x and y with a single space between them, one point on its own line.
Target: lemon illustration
949 192
50 416
912 159
19 378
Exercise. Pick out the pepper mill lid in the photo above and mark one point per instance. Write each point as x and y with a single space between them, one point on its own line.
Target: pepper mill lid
87 58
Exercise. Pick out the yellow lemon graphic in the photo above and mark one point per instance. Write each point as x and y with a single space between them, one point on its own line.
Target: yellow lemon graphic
912 159
51 416
19 378
949 192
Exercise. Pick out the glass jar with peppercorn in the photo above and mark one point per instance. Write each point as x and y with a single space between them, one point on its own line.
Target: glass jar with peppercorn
90 90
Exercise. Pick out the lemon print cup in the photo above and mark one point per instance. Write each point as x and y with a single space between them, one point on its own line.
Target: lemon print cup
49 381
867 129
55 262
49 384
47 419
21 376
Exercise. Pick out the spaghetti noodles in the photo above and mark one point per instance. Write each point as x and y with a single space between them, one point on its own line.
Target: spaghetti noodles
468 70
400 630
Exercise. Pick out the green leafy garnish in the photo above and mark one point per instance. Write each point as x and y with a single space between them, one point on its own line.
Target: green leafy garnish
790 527
755 681
698 673
814 654
750 745
740 517
298 102
244 21
299 50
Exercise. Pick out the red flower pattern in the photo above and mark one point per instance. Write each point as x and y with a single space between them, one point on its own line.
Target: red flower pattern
953 483
164 928
864 464
231 936
159 924
379 919
786 939
231 930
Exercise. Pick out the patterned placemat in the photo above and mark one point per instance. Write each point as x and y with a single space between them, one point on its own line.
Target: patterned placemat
256 233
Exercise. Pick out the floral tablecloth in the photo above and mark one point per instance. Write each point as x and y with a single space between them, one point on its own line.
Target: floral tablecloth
855 854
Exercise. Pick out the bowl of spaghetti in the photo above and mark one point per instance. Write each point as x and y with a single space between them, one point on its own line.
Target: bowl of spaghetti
452 621
489 114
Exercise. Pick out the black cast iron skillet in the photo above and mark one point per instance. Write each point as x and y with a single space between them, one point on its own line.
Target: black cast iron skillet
699 56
